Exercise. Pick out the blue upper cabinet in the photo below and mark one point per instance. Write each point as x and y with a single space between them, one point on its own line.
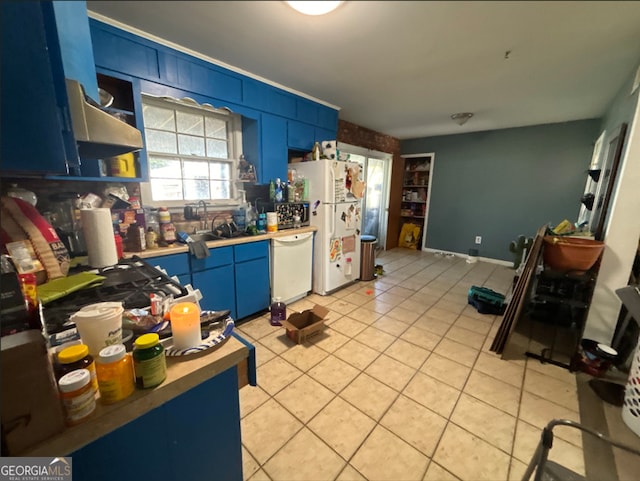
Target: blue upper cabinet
307 111
36 133
74 39
198 76
120 53
328 119
44 45
273 137
300 136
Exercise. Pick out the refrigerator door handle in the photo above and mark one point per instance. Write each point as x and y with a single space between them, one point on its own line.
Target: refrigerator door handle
332 185
333 219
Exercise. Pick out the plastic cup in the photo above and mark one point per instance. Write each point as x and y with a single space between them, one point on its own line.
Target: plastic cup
185 325
99 325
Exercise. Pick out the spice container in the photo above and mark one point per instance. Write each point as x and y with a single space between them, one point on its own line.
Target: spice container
115 374
149 361
77 357
77 396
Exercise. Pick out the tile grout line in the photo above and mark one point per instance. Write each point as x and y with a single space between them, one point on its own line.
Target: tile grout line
380 353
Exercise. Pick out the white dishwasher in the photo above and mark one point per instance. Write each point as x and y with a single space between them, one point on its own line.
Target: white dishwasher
291 261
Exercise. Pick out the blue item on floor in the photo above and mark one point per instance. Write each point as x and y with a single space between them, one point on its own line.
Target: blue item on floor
486 301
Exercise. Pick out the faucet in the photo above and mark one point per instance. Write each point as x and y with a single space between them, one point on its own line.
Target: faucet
204 205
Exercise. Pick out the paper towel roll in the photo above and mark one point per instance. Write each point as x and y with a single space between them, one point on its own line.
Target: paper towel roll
98 233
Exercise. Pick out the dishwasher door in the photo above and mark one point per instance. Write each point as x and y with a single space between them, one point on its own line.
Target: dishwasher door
291 261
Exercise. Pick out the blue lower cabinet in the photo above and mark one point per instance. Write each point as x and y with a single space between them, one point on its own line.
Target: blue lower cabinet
174 265
195 436
252 286
217 287
232 277
253 290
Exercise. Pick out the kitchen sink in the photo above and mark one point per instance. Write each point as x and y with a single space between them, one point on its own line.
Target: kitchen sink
206 236
210 236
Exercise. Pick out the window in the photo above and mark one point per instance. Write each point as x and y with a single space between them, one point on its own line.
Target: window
192 151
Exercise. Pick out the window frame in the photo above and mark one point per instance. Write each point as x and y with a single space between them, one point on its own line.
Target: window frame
234 146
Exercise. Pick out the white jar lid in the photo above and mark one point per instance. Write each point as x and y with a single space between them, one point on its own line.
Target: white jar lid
112 353
99 311
74 380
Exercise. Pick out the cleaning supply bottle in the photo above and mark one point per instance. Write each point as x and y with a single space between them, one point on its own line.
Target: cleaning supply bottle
278 191
278 312
272 190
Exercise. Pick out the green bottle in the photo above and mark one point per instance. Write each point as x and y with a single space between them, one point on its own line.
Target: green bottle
272 191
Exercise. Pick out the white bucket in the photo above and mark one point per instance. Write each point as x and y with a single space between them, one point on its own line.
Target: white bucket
631 406
99 325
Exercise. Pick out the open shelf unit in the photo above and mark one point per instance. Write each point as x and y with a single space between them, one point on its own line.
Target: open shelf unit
416 189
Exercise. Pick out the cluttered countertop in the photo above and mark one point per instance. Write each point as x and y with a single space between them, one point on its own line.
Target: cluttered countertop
183 373
177 248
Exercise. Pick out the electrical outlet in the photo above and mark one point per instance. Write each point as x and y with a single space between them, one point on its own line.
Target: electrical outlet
478 239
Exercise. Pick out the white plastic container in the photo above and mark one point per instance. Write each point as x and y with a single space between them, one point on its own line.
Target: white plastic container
631 406
272 222
99 325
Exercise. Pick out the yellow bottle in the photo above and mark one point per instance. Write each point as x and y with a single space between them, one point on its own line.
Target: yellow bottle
115 374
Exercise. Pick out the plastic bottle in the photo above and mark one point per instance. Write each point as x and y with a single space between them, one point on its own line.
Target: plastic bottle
278 190
262 223
167 229
77 396
278 312
77 357
149 362
315 152
272 191
119 248
115 374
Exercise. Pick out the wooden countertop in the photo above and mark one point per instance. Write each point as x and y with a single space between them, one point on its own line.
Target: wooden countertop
183 374
179 248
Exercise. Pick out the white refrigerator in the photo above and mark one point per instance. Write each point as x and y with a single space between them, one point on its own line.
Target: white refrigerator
335 192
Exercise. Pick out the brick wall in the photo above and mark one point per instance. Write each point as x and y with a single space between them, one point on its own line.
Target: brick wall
370 139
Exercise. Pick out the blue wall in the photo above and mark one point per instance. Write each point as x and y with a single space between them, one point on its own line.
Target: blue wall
504 183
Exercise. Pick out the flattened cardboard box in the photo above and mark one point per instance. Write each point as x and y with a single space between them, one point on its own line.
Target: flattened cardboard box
301 326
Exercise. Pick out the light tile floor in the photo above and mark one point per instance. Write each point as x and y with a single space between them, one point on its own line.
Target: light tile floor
402 385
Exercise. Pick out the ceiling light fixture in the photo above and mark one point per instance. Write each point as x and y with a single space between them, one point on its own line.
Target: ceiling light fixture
315 7
461 117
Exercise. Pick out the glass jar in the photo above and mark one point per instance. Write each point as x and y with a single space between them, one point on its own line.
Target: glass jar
77 396
114 368
149 361
77 357
151 239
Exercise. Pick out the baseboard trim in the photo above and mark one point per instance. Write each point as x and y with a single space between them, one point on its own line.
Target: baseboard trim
465 256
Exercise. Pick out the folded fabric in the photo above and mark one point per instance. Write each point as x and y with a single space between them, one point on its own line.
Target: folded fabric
199 249
63 286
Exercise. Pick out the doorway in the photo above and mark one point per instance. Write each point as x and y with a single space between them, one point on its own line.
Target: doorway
375 203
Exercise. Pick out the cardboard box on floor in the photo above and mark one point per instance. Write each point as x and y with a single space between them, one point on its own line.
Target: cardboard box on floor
301 326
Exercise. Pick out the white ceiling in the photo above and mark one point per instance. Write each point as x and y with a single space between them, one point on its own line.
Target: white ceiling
402 68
